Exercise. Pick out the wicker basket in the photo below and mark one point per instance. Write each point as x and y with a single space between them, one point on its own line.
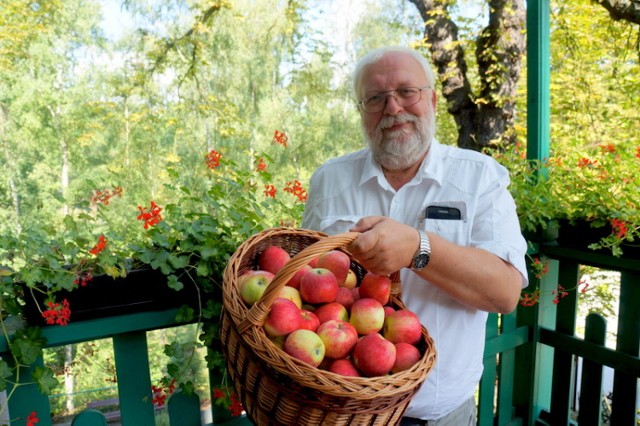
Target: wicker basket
277 389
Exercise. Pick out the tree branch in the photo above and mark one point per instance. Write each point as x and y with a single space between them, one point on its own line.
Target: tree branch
628 10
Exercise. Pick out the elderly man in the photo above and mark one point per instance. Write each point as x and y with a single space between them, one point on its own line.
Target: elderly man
439 214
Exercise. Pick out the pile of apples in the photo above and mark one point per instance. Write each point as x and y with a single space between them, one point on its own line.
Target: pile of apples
324 318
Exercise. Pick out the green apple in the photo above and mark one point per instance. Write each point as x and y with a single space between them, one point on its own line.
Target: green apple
252 285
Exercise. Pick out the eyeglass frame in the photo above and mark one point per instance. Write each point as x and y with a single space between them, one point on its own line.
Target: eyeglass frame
388 93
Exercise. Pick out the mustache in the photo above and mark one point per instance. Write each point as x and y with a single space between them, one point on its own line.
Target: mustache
391 121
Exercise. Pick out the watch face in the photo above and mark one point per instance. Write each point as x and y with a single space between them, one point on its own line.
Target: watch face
421 261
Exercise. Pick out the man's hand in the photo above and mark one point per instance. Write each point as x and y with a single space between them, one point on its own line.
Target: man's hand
385 246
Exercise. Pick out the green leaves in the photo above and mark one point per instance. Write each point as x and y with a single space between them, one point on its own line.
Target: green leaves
44 379
26 345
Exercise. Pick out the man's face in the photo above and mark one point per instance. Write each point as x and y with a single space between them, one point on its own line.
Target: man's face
398 136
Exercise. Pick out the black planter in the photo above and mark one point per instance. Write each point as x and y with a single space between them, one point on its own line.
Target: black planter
104 296
581 234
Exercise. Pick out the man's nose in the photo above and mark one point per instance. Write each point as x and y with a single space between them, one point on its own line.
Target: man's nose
392 106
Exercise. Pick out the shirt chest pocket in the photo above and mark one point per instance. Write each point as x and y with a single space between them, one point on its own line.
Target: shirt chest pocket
455 231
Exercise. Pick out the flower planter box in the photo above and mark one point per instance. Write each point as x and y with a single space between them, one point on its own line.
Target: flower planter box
104 296
580 234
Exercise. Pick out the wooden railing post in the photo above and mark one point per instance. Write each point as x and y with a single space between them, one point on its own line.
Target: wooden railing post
591 377
134 380
625 386
26 398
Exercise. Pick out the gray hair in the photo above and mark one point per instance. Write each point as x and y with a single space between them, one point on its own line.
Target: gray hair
377 54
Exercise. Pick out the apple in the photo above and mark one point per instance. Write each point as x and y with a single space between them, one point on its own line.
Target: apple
345 297
356 293
319 286
283 318
345 367
339 338
252 285
273 258
292 294
374 355
295 280
367 316
337 262
313 262
331 311
306 346
351 281
402 326
406 356
388 310
310 320
376 287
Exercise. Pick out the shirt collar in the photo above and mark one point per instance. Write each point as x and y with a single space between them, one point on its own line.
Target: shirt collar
431 168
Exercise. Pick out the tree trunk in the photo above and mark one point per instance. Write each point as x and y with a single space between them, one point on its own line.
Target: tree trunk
486 118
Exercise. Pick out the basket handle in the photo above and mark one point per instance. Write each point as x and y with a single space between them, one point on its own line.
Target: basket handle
257 314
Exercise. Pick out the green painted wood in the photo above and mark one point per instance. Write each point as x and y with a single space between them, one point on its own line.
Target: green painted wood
89 417
507 340
134 381
101 328
26 398
628 342
592 258
544 357
486 392
563 365
538 71
591 378
625 364
506 374
184 410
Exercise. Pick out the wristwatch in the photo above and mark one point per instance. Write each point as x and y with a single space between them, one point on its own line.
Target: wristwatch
421 258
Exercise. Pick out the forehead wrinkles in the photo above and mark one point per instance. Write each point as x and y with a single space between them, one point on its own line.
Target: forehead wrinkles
391 72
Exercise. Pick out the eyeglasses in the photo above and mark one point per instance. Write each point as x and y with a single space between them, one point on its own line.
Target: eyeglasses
404 96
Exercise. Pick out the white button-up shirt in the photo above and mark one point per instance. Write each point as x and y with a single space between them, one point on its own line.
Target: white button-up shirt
350 187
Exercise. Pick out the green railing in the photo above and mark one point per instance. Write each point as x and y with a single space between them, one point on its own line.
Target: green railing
129 335
531 359
530 372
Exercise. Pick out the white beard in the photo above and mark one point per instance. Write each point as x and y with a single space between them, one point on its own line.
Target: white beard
401 149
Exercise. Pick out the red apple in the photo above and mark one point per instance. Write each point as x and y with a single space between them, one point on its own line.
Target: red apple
295 280
376 287
351 281
283 318
344 367
306 346
273 258
406 356
331 311
367 316
252 285
388 310
374 355
313 262
402 326
292 294
339 338
337 262
319 286
345 297
356 293
310 320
